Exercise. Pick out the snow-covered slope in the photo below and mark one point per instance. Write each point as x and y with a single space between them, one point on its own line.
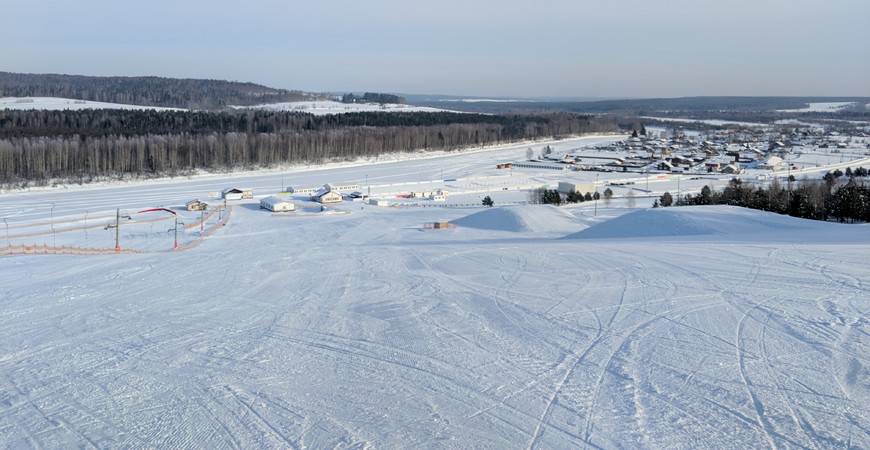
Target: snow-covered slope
718 222
820 107
360 329
56 103
323 107
539 219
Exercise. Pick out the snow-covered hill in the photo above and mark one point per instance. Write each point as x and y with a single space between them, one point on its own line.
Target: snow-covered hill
720 223
359 328
820 107
55 103
323 107
539 219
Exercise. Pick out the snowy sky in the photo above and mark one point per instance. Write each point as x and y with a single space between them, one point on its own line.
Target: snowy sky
583 48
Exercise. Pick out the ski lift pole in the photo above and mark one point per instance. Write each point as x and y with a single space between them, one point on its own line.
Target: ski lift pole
175 240
118 229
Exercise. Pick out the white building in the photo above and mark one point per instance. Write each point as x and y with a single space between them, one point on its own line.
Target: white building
276 204
578 188
772 163
237 193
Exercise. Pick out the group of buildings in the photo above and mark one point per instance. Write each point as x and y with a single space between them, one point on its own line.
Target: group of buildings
726 151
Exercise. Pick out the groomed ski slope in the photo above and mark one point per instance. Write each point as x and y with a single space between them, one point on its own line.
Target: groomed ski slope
363 330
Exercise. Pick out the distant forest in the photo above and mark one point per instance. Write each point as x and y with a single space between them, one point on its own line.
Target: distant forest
737 107
372 97
146 91
37 147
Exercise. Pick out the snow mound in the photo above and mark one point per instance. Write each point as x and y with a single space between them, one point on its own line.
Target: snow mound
540 219
721 221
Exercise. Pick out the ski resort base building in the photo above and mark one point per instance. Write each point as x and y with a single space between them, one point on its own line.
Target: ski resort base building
276 204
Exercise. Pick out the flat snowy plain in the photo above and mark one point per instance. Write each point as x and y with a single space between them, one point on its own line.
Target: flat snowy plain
521 327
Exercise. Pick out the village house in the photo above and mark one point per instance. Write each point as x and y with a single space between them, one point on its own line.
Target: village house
237 193
327 196
196 205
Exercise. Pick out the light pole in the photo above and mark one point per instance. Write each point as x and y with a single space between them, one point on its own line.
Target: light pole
679 177
595 213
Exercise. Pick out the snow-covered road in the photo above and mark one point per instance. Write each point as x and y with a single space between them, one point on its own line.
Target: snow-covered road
362 330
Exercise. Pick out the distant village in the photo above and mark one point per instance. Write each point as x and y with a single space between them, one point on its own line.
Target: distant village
724 151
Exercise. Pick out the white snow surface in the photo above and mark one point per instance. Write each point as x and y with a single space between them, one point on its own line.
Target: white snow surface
57 103
324 107
359 328
720 222
820 107
534 218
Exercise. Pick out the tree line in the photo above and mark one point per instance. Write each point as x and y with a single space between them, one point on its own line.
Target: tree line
147 91
372 97
838 196
81 146
101 122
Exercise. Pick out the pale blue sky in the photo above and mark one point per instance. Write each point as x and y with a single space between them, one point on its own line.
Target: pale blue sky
589 48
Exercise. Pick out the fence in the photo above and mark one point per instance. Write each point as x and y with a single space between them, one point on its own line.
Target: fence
60 250
45 249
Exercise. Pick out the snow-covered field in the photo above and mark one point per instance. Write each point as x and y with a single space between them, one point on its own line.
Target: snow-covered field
519 327
323 107
820 107
56 103
714 122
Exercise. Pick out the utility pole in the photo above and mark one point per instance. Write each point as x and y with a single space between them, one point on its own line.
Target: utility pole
86 225
201 220
175 242
679 177
595 214
118 229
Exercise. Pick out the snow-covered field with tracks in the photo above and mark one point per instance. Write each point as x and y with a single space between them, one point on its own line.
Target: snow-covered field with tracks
590 326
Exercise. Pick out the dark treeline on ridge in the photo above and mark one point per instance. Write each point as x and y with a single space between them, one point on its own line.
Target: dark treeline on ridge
840 196
79 146
147 91
102 122
372 97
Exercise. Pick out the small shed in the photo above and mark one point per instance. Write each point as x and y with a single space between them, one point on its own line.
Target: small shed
277 204
196 205
327 196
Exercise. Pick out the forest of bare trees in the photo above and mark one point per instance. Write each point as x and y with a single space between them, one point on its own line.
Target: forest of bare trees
40 146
